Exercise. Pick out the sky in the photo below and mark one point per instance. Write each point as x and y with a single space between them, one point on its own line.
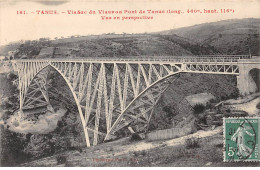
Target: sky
16 27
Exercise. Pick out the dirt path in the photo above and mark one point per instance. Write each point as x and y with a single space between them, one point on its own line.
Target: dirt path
249 107
173 142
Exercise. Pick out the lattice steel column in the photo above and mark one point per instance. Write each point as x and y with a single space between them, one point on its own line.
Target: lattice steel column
26 72
37 93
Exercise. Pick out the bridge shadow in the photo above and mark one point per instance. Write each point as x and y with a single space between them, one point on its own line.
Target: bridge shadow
255 75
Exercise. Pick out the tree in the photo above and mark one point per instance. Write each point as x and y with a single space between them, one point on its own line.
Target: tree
198 108
28 137
258 106
6 106
11 76
13 99
12 148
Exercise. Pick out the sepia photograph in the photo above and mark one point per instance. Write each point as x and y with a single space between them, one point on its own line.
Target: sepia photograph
135 83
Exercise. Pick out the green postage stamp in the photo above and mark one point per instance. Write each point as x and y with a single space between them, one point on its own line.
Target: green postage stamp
241 139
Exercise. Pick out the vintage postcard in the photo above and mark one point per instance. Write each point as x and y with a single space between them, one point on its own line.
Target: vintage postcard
135 83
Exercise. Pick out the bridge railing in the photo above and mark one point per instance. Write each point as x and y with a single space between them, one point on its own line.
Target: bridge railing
180 59
227 56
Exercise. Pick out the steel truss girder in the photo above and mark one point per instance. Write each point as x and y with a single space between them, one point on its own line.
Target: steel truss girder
212 68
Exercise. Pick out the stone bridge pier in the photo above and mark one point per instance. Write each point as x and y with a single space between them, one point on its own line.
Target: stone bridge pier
248 80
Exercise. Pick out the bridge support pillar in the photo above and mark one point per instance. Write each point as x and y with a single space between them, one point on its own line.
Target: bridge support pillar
247 82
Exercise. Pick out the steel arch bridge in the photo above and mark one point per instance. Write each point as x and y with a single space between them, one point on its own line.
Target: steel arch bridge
113 92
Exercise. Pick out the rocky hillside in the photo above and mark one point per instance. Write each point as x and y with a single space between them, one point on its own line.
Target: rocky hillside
173 106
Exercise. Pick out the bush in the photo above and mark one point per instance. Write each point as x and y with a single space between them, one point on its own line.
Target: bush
224 97
135 137
136 154
191 143
140 153
13 99
235 94
209 105
28 137
220 145
61 159
170 111
11 76
6 106
198 108
258 106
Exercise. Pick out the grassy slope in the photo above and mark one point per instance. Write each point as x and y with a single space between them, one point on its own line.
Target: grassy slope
125 46
11 47
228 37
202 32
124 153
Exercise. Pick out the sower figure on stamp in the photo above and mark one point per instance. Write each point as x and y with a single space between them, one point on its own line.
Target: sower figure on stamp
239 138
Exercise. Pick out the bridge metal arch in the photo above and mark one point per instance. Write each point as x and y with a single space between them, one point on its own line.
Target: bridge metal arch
78 105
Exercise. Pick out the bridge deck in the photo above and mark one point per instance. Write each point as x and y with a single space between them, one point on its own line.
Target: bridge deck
149 59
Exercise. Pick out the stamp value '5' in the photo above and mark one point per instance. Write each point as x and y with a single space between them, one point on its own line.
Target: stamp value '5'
241 139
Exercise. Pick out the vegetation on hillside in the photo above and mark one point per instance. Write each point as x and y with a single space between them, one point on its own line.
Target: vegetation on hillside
236 37
17 147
